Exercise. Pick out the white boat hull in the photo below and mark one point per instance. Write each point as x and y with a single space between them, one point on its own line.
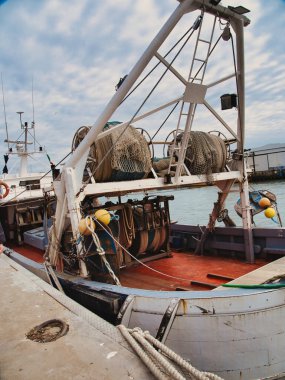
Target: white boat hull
236 337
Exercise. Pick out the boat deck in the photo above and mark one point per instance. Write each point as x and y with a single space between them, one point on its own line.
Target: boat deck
187 271
181 271
28 251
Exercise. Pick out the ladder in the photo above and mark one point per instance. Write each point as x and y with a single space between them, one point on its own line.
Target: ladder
187 110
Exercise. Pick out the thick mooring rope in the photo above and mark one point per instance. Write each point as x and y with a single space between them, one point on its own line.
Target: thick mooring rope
164 363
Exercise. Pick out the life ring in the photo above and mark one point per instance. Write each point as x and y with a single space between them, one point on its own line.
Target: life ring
6 190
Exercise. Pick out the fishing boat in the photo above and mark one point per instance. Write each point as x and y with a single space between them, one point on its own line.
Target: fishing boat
22 199
112 245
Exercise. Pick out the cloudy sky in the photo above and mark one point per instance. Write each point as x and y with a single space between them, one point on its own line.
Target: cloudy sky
74 52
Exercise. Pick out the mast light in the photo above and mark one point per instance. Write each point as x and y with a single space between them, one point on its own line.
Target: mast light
239 9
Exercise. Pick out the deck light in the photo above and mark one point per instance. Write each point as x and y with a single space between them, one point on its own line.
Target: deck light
239 9
215 2
226 35
228 101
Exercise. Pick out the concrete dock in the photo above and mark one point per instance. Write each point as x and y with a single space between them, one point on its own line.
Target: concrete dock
91 349
260 275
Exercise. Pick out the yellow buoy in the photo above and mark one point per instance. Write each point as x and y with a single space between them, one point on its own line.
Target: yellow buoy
264 202
269 212
103 216
82 226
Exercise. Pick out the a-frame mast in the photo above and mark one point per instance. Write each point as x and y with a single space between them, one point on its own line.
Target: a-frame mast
69 189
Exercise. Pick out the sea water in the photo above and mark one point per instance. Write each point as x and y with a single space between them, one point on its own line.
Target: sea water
193 206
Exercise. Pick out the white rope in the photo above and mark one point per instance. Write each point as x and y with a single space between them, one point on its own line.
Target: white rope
166 365
142 354
179 360
158 361
89 224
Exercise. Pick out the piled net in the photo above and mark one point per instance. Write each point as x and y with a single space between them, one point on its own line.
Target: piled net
121 155
129 158
205 154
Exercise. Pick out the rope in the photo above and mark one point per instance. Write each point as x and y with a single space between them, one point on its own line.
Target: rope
274 279
140 262
178 359
141 353
100 163
128 230
169 51
160 359
100 250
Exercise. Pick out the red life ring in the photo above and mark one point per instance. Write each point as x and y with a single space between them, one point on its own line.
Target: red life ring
6 189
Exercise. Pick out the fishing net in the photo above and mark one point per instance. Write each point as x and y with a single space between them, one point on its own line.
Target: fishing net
205 154
119 156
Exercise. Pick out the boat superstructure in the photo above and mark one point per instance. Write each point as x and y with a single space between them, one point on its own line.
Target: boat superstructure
22 191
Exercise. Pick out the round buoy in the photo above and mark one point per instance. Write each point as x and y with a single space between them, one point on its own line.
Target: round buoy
82 226
103 216
269 212
7 189
264 202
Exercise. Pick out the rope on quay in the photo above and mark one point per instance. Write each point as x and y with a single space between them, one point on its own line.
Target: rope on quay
164 363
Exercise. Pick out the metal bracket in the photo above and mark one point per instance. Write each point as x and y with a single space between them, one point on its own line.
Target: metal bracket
167 320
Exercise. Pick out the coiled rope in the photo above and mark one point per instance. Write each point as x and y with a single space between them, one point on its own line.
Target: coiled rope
164 363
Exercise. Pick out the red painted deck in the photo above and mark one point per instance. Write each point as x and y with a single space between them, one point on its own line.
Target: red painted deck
189 267
28 251
183 267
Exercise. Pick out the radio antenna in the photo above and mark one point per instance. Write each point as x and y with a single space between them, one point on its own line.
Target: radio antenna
33 122
4 108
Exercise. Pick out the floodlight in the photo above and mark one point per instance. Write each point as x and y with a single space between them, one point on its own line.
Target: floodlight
215 2
239 9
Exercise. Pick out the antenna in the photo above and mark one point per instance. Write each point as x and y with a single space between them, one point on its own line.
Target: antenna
33 122
6 125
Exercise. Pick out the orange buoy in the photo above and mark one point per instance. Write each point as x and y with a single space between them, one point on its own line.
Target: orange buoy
103 216
269 212
264 202
84 224
6 187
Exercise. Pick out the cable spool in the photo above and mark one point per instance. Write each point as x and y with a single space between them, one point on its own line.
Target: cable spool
143 242
140 241
163 237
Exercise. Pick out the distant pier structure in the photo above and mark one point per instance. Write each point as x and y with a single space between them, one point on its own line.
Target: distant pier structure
266 162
